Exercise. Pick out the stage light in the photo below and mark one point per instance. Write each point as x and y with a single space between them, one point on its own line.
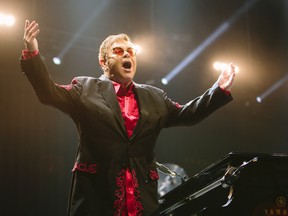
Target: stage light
237 69
272 89
83 28
138 49
164 81
208 41
259 99
57 60
7 20
219 66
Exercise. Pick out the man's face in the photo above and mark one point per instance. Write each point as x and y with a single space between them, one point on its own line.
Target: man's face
121 61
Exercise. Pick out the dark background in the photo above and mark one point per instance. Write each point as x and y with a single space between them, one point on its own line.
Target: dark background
38 143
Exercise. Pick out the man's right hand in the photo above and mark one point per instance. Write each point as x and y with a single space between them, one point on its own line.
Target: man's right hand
31 30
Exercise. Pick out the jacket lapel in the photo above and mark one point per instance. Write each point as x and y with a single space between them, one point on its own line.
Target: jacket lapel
107 90
143 104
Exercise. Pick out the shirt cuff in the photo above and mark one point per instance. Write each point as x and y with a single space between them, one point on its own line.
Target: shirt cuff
227 92
26 54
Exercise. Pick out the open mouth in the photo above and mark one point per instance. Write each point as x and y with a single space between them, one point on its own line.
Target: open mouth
127 65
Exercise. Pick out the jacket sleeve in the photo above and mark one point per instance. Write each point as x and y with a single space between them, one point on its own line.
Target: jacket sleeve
48 92
197 109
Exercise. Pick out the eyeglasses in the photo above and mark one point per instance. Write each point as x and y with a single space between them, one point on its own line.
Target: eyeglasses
120 51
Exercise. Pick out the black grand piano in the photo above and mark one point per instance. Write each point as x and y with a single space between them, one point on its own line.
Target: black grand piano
243 184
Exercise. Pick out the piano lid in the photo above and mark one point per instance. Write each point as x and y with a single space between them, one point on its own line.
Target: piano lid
210 177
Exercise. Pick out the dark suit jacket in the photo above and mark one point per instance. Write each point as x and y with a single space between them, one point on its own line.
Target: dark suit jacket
105 150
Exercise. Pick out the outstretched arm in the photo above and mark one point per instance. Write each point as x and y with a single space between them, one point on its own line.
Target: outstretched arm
34 67
199 108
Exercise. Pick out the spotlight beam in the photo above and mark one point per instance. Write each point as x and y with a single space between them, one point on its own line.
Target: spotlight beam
273 88
195 53
85 25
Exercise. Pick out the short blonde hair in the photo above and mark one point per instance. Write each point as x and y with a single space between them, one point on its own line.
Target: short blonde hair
103 50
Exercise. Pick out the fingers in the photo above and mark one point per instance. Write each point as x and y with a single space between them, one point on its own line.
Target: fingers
233 68
31 31
31 28
230 76
226 78
231 73
230 70
34 33
27 22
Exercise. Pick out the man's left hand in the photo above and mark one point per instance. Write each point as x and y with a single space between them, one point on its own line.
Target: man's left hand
226 78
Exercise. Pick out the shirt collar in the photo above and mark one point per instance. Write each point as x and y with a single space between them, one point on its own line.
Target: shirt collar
121 90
